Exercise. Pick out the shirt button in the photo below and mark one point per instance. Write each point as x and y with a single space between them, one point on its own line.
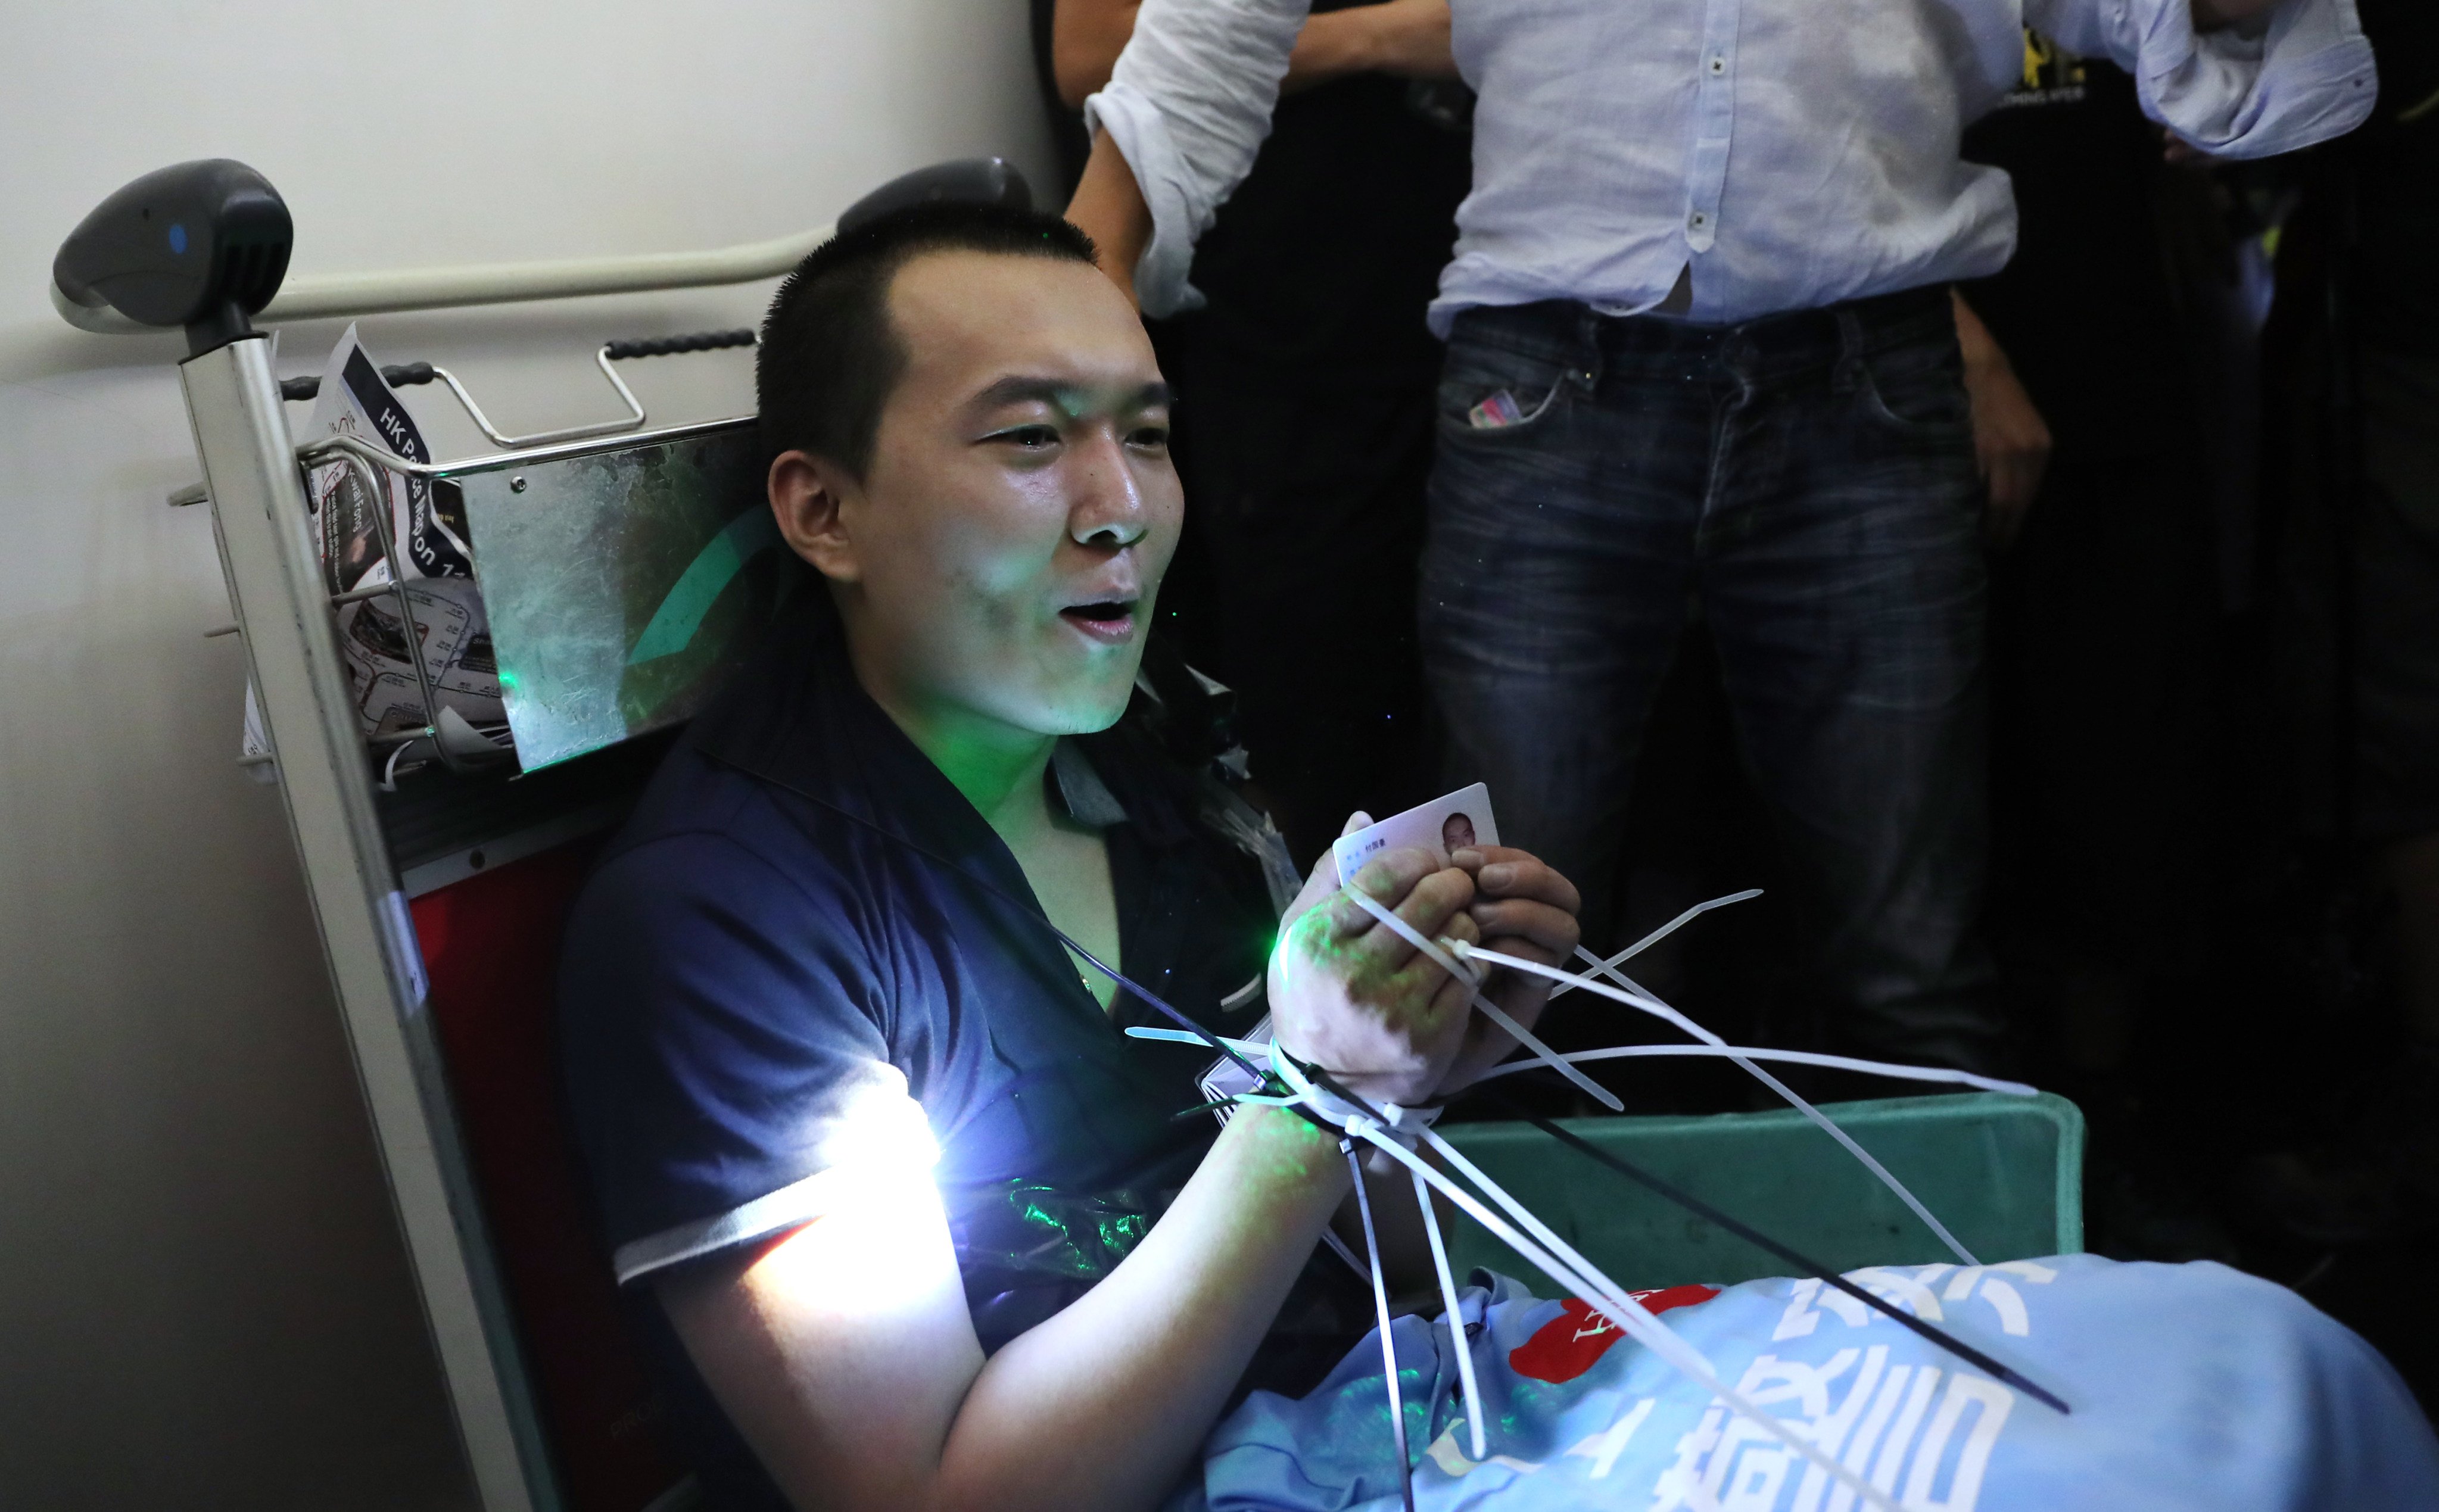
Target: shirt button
1698 220
1718 65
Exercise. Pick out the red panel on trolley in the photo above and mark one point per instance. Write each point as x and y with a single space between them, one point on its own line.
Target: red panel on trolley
490 943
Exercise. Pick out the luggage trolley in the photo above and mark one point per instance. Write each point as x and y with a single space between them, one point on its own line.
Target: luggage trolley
619 563
439 892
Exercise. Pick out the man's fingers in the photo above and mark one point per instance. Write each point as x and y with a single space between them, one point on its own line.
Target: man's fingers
1461 927
1390 878
1346 928
1427 908
1551 932
1506 872
1421 977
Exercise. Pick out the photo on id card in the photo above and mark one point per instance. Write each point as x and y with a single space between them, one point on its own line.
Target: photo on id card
1444 824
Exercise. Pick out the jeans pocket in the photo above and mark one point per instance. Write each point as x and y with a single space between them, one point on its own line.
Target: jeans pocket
1917 389
1489 392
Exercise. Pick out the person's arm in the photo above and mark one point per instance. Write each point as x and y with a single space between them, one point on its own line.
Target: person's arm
2011 441
2237 79
845 1355
844 1352
1186 111
1109 207
1086 37
1408 38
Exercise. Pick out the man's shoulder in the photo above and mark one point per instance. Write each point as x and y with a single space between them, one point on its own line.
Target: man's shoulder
766 777
707 833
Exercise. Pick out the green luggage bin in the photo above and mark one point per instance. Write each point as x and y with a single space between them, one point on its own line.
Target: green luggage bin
2006 1175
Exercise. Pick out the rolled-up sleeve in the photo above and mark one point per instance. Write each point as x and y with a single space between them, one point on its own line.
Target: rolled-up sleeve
2306 77
1189 104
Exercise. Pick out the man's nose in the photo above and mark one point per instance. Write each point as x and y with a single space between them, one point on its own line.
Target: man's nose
1107 513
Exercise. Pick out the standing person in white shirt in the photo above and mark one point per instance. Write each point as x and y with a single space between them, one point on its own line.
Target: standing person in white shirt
1703 360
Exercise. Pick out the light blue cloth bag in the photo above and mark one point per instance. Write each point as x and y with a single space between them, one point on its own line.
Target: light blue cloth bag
2193 1386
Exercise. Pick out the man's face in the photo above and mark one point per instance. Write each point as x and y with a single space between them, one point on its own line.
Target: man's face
1020 507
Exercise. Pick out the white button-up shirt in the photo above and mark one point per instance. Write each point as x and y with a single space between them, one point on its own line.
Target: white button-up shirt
1781 154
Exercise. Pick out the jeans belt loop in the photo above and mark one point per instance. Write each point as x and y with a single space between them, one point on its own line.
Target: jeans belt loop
1588 350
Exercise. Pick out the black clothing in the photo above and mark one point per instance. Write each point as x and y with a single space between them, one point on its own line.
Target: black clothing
804 915
2354 468
2104 617
2084 310
2397 150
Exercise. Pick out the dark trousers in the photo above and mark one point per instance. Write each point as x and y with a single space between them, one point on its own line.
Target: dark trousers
2109 691
1806 483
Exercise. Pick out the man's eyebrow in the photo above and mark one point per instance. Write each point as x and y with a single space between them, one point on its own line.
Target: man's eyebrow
1069 398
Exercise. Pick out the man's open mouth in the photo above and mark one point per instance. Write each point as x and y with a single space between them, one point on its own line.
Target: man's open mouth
1109 619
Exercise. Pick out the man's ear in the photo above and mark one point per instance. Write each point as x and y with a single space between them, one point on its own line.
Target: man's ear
808 498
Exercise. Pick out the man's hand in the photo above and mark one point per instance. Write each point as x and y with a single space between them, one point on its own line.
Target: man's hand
2011 441
1523 908
1351 995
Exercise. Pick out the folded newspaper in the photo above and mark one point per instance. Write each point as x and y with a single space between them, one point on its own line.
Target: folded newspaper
429 544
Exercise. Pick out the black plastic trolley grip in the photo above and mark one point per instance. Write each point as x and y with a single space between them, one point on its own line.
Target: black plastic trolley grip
202 244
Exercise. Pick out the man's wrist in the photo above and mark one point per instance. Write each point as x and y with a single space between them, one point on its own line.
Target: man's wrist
1981 352
1288 1151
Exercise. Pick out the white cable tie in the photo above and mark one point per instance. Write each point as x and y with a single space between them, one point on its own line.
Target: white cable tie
1338 1247
1632 1318
1442 958
1406 1125
1380 1308
1657 935
1252 1048
1639 999
1800 1057
1455 1317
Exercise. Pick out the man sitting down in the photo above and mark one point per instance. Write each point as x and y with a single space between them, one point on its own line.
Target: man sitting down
912 1224
821 950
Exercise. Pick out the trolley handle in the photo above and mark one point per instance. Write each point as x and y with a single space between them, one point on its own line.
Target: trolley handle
407 375
701 341
397 375
402 374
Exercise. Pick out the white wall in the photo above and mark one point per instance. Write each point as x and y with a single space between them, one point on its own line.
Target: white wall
203 1299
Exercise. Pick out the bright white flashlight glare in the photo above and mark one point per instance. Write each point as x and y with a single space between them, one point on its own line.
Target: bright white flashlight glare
881 1131
881 1238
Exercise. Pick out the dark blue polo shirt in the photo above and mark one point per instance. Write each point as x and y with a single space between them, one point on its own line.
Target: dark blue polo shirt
797 911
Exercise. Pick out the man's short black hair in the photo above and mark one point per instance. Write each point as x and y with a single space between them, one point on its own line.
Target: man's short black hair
830 356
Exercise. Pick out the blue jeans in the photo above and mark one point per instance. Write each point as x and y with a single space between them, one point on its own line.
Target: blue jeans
1806 484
